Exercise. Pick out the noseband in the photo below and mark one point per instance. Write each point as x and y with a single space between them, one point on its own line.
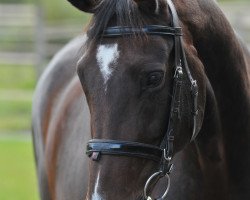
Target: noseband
161 154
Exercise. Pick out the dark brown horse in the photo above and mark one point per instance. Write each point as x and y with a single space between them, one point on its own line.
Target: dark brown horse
128 90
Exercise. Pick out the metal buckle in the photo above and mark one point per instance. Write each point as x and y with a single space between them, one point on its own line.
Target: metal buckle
178 72
155 175
167 158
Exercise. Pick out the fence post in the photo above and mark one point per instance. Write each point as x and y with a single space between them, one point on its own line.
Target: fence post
40 39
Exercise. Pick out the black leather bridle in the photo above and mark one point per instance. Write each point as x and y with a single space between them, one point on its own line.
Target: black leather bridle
162 154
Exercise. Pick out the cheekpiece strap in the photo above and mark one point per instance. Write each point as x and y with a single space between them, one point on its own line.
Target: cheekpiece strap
174 118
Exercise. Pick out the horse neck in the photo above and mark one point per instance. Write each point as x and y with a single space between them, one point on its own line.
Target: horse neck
226 68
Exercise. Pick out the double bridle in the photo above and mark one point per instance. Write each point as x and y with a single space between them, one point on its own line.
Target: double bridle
162 154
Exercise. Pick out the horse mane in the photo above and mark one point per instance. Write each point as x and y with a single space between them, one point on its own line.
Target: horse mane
120 12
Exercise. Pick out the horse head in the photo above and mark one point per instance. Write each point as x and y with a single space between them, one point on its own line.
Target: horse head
140 80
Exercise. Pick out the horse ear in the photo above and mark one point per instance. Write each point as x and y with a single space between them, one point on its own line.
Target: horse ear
84 5
152 6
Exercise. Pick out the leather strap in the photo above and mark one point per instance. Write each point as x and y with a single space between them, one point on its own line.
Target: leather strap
118 31
167 143
194 87
123 148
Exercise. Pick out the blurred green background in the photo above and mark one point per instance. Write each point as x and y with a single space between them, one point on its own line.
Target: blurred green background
31 32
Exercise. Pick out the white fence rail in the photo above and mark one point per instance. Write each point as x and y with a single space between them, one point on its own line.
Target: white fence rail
25 39
17 30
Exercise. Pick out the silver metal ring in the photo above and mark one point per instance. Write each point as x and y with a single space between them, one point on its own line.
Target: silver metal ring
156 174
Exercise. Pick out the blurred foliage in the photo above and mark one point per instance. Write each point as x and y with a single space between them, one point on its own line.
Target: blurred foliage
16 158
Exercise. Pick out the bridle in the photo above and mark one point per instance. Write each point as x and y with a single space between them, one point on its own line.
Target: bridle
162 154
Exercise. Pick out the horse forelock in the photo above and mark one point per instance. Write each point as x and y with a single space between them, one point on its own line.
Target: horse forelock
122 13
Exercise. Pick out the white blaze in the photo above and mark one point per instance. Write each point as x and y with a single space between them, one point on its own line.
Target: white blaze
157 9
95 195
107 55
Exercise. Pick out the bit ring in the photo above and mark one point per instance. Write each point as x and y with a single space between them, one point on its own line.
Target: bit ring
153 176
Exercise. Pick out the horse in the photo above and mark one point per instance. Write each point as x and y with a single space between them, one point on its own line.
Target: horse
158 92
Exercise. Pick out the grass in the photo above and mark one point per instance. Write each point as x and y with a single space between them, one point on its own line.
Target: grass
17 169
16 88
17 77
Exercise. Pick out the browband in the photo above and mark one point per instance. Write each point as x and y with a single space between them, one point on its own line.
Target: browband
118 31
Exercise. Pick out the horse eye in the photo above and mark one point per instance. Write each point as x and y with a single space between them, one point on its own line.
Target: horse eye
154 79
